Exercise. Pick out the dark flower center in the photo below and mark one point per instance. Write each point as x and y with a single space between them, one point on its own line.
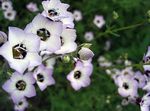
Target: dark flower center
40 77
52 13
62 41
77 74
146 59
43 33
125 85
21 85
19 51
20 103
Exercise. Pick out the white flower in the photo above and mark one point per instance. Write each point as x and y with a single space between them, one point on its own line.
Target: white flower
21 105
103 62
140 79
145 102
10 14
48 31
44 77
3 37
56 10
77 15
80 76
99 21
20 86
107 45
32 7
68 44
7 5
21 50
85 53
89 36
127 86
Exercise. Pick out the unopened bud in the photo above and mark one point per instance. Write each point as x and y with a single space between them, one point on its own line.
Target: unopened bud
3 37
66 59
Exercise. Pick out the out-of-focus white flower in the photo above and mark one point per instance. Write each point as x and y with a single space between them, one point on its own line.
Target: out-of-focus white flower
89 36
68 44
103 62
57 11
145 102
32 7
21 50
80 76
21 105
3 37
20 86
44 77
107 45
77 15
48 31
7 5
140 79
99 21
10 14
127 86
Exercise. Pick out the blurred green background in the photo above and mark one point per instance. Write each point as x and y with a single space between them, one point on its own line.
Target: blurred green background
133 42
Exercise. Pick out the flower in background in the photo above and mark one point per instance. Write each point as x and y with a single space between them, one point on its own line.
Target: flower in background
99 21
140 78
21 105
48 31
43 77
127 86
32 7
103 62
68 43
20 86
57 11
80 76
3 37
10 14
7 5
89 36
21 50
77 15
107 45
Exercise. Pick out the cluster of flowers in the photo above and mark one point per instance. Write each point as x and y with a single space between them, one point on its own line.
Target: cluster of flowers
32 53
129 81
98 21
9 12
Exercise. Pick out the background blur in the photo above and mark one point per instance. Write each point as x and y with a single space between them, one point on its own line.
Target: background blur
132 43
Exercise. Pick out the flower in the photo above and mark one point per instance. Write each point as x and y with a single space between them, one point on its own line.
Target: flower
32 7
145 102
77 15
107 45
80 76
3 37
48 31
103 62
21 50
140 79
7 5
10 14
44 77
20 86
99 21
68 44
85 53
127 85
89 36
56 10
21 105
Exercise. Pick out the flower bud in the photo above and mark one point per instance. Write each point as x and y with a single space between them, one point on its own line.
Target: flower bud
66 59
115 15
85 53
